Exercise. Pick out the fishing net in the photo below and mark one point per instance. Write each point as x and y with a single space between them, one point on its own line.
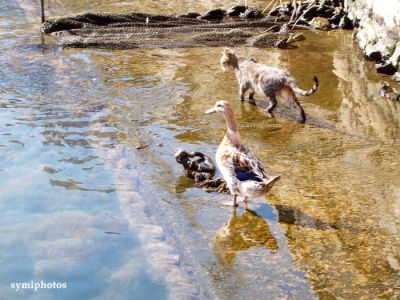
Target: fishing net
143 30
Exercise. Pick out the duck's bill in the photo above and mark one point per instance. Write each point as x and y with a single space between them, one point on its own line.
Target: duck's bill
211 110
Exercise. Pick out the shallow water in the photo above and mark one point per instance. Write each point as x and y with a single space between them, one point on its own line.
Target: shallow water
91 194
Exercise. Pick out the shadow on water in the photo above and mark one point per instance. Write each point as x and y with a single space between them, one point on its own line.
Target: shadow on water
294 216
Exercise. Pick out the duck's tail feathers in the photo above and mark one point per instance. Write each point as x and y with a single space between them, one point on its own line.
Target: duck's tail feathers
271 181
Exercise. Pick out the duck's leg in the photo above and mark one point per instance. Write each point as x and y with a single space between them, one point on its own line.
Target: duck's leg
245 202
234 201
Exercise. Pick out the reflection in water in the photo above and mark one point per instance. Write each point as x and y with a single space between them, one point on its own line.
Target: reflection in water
242 232
362 111
74 185
252 261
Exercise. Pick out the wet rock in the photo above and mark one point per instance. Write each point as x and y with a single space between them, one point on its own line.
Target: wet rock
396 76
325 12
335 20
252 13
235 11
141 146
319 23
371 52
310 13
275 12
215 14
395 57
281 11
345 23
388 92
334 3
386 68
190 15
378 30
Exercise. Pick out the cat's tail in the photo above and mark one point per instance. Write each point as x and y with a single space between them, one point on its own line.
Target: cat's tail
301 92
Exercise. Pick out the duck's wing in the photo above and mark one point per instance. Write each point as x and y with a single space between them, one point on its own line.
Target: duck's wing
246 165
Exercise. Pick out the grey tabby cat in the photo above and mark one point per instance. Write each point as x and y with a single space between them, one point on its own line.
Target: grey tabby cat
268 81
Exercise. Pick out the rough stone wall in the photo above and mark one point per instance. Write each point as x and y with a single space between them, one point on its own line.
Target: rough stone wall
378 32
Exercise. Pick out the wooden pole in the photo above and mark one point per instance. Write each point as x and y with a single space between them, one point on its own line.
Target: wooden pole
42 10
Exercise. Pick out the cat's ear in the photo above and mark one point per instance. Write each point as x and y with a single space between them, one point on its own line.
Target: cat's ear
228 51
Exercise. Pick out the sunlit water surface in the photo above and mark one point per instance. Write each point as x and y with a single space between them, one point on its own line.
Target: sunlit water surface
91 194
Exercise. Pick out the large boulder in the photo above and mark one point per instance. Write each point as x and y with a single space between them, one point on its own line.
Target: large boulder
378 32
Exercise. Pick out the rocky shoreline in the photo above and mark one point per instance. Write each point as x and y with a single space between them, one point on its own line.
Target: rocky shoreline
378 32
376 26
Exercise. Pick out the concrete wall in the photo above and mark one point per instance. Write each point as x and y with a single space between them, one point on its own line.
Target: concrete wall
378 32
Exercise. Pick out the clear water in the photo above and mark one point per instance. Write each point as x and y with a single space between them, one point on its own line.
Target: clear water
91 195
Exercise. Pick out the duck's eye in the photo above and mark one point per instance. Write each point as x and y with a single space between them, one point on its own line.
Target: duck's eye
219 105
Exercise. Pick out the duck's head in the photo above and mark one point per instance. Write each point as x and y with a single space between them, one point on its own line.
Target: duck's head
223 107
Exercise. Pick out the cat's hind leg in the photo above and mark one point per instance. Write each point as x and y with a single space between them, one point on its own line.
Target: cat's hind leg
271 104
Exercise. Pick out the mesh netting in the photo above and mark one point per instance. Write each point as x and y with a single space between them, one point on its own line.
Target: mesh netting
143 30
